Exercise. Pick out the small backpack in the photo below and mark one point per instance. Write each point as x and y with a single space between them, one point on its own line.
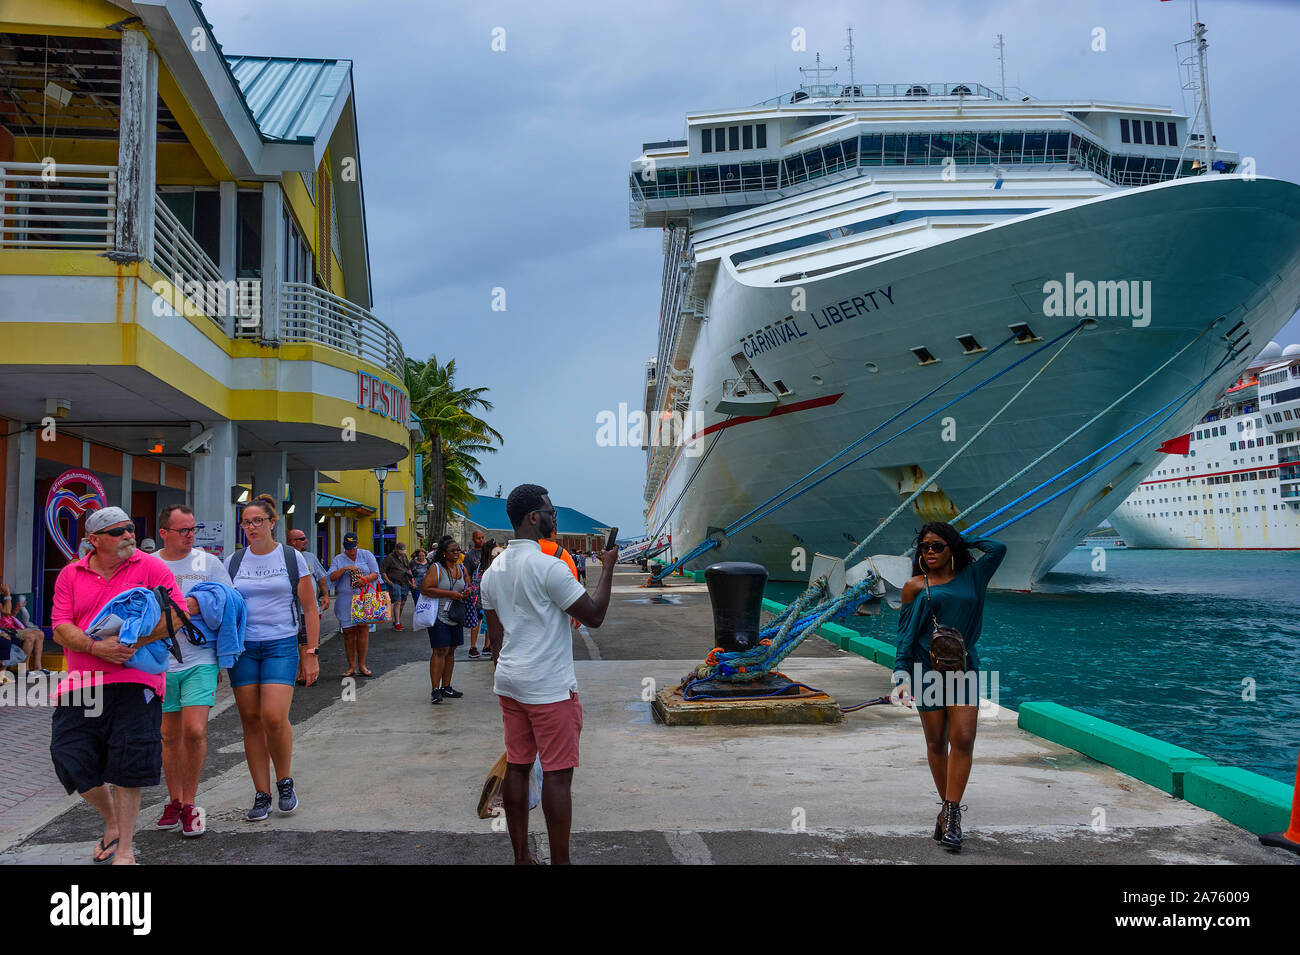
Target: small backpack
947 645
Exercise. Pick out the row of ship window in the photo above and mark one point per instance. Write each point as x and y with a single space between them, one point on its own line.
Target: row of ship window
1236 479
1210 510
909 149
1279 376
718 139
1150 132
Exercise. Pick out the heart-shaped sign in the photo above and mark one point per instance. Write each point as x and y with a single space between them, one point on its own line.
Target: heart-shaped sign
62 498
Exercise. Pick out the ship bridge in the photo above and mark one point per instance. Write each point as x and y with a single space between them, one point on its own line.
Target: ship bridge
822 134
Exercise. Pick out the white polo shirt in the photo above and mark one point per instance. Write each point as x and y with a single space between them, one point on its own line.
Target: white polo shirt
530 591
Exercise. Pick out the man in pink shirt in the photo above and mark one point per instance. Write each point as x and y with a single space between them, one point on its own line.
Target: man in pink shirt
107 727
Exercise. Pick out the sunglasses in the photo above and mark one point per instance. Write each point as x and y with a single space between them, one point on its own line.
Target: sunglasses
931 547
117 531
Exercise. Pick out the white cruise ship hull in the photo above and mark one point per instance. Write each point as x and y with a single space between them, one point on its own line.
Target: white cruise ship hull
1212 248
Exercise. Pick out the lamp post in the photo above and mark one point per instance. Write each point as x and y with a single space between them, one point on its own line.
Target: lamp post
381 475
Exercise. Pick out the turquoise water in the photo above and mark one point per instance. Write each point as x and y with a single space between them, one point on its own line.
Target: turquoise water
1160 642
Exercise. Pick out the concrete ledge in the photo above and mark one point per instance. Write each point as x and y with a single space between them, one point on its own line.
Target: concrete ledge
1153 761
1254 802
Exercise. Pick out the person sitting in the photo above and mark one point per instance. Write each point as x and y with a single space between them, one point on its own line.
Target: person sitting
31 640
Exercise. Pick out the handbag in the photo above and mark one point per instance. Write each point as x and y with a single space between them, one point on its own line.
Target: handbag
457 610
947 645
370 605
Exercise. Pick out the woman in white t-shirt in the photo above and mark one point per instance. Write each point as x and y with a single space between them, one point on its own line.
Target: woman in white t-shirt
264 675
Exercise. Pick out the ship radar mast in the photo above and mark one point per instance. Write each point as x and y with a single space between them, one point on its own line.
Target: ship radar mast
1196 80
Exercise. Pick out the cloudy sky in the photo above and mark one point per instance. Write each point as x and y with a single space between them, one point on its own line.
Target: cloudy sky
507 169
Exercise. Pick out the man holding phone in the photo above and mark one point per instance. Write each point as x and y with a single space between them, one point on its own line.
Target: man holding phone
528 597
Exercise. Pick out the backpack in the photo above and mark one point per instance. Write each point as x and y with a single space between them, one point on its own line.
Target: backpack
291 568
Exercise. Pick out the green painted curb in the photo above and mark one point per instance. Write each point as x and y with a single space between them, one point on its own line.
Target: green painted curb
875 650
1153 761
1254 802
697 576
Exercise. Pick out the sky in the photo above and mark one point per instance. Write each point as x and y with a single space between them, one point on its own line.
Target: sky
507 169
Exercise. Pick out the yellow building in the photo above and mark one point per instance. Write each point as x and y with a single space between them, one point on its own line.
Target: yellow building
185 288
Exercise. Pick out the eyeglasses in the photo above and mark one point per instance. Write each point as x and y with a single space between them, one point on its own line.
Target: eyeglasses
181 530
253 522
932 547
116 531
544 510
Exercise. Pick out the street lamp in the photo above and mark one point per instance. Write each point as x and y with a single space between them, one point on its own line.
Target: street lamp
380 475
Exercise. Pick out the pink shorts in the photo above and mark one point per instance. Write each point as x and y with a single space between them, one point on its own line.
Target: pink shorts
549 728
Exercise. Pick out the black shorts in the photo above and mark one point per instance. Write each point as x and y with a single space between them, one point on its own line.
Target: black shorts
122 745
450 635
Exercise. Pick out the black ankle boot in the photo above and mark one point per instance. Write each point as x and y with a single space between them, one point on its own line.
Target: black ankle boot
938 825
951 826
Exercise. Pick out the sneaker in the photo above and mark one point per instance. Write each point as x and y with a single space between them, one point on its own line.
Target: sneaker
473 653
192 821
452 692
171 817
261 808
398 626
435 696
288 798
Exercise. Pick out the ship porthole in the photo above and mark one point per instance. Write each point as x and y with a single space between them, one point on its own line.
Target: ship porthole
816 379
872 367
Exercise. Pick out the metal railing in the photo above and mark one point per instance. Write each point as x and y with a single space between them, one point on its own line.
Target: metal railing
57 206
875 91
179 257
310 314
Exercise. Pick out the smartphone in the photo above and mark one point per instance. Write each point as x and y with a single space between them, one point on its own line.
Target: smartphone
612 540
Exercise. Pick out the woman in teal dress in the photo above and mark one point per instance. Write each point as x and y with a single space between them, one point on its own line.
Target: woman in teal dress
949 702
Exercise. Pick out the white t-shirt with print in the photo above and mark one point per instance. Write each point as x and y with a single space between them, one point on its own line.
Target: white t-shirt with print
262 582
196 567
530 591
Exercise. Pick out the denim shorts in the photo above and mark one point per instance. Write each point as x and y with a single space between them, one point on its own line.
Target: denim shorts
267 661
446 635
397 592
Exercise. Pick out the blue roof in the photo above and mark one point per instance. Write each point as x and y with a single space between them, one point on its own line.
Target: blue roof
324 500
490 512
289 97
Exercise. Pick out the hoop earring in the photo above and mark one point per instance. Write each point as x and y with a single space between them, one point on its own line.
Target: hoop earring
952 563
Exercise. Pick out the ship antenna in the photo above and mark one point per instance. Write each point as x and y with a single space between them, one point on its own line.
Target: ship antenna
817 70
1002 63
1198 83
1198 33
853 85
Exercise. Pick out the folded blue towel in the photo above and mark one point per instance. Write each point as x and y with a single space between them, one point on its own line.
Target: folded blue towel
138 611
222 619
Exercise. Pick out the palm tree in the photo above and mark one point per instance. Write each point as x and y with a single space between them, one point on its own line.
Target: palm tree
455 436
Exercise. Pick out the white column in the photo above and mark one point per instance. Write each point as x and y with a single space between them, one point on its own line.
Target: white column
20 511
212 478
136 150
302 491
272 266
126 483
269 478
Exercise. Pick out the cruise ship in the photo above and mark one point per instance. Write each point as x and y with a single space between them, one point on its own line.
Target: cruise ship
833 254
1233 481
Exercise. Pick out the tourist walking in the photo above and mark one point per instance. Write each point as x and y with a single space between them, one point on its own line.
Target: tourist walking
319 576
106 729
476 562
419 567
352 572
946 592
191 681
528 598
446 579
396 571
276 585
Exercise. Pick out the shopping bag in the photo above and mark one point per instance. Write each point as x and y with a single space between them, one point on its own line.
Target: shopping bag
489 800
426 612
370 605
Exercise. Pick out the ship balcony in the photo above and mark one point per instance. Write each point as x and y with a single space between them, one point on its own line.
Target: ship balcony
61 219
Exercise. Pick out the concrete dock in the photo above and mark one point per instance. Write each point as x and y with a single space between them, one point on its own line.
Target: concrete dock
385 777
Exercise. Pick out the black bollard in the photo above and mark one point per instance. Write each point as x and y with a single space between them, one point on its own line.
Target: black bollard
736 592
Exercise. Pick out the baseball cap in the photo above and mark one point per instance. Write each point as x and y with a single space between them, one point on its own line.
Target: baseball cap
97 520
349 541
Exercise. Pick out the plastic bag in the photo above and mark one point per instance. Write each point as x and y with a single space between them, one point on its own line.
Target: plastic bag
426 612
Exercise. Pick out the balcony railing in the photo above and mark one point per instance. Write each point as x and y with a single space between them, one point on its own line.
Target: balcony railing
57 206
309 314
182 260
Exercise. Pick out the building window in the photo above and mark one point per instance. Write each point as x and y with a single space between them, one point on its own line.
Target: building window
747 137
1148 131
1173 133
719 139
733 137
760 135
1123 131
1160 134
706 140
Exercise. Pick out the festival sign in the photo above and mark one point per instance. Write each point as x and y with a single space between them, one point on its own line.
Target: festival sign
63 499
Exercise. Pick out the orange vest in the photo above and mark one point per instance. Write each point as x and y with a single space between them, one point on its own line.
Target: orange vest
551 547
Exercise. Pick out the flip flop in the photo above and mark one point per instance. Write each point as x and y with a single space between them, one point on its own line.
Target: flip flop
104 848
367 673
